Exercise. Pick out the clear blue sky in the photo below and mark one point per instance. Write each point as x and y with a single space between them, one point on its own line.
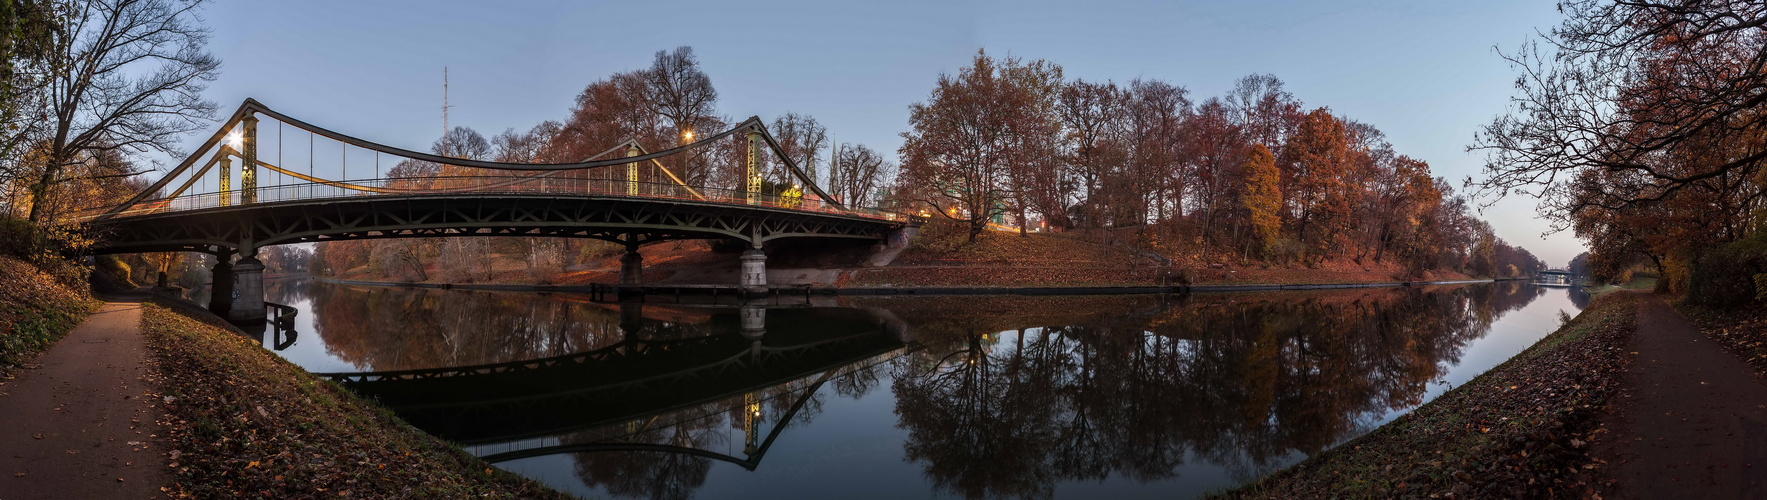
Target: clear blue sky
1423 72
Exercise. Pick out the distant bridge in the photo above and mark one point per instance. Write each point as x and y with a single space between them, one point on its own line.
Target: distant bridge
631 200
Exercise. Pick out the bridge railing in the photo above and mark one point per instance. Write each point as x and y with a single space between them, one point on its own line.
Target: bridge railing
481 185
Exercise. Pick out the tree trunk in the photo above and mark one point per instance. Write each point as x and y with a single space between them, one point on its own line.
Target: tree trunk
39 191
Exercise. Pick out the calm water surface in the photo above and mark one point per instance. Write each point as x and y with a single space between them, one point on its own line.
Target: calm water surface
1141 396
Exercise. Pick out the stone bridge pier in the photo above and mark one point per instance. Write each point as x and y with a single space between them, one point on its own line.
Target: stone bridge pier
248 272
236 288
221 285
754 269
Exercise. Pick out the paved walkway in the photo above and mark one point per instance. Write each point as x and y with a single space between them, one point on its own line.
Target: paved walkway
1691 418
80 424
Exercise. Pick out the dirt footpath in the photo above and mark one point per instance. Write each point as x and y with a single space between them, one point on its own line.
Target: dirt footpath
81 423
1691 418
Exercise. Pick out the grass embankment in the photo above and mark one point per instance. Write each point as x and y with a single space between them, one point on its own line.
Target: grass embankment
940 257
245 423
1518 431
36 309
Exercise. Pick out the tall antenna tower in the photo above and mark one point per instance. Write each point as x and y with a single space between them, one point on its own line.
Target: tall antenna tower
445 107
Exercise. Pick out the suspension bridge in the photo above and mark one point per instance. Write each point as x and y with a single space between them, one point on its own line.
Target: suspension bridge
236 194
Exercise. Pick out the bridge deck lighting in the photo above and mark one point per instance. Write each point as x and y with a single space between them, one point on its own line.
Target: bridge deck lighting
236 140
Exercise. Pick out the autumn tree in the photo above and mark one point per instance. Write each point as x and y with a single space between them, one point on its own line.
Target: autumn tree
1218 160
27 42
1152 134
1261 196
859 173
1089 111
1265 110
802 139
1632 88
123 75
678 90
532 146
1317 161
608 112
962 146
1033 131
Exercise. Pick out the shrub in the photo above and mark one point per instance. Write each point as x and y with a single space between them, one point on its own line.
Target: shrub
942 236
1724 277
1287 250
590 250
115 269
46 247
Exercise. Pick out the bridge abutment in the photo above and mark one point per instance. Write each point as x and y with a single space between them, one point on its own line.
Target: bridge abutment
221 287
249 307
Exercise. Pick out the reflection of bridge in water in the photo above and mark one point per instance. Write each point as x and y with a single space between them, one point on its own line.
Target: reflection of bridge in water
622 438
798 349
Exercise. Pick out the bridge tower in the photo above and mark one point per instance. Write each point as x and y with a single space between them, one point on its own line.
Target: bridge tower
754 261
225 175
752 177
248 168
632 171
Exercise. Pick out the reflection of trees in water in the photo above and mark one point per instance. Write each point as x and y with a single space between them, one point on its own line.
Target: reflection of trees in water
653 474
400 328
288 290
1240 381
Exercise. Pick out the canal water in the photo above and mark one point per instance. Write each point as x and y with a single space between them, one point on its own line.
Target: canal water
1137 396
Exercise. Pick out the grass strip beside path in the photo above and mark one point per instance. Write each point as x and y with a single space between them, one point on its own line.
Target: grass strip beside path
1520 430
243 422
35 311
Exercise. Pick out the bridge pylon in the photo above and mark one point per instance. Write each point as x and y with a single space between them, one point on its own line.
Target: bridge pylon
224 175
248 167
752 174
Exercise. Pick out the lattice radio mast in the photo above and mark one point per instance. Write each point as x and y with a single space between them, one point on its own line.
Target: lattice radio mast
445 107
